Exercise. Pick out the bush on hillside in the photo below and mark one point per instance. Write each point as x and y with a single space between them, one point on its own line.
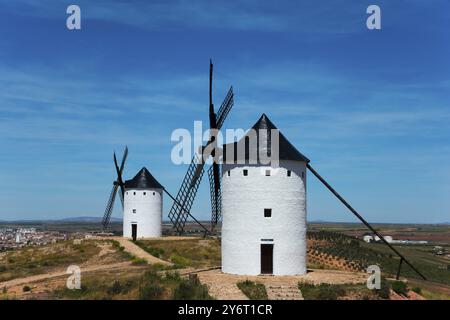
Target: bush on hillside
191 289
399 287
254 291
322 291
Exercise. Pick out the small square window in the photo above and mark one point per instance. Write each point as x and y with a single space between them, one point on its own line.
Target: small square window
145 193
134 193
267 173
267 213
134 210
245 172
228 172
127 192
289 173
153 193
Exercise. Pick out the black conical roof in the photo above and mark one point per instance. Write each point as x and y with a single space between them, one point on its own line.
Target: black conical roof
286 150
143 180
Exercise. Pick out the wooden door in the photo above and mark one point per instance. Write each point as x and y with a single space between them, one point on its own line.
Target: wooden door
266 258
134 231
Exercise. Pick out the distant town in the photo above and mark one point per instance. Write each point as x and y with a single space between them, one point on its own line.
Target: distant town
16 235
19 237
14 238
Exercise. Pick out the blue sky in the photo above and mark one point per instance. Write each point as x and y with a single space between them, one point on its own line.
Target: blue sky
371 109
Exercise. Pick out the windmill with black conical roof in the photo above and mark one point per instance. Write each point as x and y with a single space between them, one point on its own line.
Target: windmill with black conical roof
142 203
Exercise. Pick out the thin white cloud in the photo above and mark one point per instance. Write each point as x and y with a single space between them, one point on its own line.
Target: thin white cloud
299 17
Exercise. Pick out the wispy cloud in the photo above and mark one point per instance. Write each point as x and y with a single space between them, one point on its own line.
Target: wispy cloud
302 17
247 15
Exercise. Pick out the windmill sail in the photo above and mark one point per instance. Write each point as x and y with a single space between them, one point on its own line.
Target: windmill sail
116 185
188 190
186 195
109 206
225 108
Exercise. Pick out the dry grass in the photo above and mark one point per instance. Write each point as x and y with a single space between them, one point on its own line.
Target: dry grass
197 253
35 260
46 259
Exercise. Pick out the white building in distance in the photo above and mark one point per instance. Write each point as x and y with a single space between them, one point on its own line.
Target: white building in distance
388 239
264 207
143 206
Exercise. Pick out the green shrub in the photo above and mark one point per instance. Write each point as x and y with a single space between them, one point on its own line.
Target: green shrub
417 290
138 261
116 245
191 290
254 291
322 291
176 266
157 252
159 267
150 275
127 255
179 260
150 287
116 288
173 276
150 291
399 287
385 289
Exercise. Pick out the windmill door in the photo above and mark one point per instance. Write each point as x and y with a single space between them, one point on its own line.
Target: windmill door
134 231
266 258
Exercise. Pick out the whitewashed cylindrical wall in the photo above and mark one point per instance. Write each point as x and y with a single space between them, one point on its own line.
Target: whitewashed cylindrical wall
244 226
143 208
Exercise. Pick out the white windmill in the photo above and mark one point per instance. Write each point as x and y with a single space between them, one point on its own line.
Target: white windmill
263 205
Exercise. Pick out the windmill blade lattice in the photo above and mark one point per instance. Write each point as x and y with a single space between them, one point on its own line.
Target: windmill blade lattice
116 185
109 206
225 108
186 195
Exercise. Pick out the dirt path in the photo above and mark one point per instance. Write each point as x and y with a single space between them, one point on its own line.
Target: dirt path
283 291
137 251
318 276
223 286
220 286
93 264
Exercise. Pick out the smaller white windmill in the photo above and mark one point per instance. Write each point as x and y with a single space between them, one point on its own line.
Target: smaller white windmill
142 203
